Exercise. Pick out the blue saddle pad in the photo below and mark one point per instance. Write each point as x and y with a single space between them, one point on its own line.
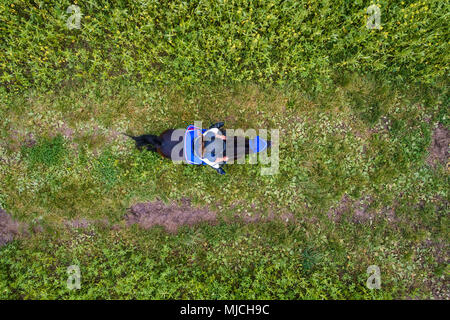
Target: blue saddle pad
257 144
191 133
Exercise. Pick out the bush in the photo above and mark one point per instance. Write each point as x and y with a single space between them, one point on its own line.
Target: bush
47 152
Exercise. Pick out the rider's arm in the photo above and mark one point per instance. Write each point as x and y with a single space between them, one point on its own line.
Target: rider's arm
221 159
215 159
221 136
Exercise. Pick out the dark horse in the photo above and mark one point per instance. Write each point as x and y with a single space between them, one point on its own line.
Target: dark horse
164 145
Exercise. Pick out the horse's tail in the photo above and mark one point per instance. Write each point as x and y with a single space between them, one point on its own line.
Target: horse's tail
150 141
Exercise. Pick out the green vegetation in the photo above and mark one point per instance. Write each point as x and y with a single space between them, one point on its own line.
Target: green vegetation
356 109
47 152
200 42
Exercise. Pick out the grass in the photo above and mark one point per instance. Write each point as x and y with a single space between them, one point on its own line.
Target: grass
47 152
324 155
356 111
221 42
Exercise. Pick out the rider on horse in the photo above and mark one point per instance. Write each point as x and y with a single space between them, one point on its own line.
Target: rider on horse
200 147
210 147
